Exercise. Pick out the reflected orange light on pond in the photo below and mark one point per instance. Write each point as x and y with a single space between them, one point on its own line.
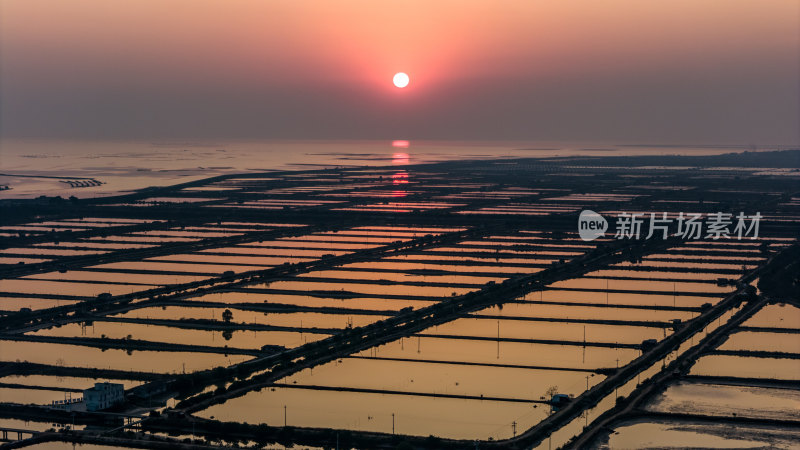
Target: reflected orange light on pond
400 178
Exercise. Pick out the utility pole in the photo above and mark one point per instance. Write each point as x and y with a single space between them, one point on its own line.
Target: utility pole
392 423
514 428
284 415
498 339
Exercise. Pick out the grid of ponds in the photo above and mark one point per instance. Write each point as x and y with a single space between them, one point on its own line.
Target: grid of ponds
348 249
752 375
561 339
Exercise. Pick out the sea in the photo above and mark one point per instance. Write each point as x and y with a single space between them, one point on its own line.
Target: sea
30 168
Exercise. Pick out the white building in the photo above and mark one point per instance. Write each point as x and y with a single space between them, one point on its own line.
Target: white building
103 396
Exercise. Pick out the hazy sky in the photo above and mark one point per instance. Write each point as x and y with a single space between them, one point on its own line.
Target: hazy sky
644 71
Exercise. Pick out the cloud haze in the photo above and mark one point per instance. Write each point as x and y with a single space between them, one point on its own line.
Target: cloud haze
712 71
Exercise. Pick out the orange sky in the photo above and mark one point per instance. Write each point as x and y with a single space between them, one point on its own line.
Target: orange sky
678 71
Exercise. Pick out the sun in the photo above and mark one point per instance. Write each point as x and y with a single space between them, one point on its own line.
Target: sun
400 80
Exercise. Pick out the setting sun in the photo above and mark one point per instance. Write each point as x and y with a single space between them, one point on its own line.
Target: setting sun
400 80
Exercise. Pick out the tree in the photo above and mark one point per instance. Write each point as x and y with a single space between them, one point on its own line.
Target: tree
227 316
551 391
